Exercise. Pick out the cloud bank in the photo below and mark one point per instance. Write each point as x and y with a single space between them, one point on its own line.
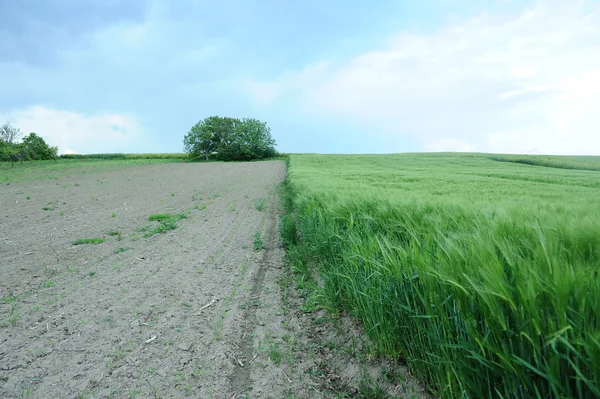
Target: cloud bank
76 133
521 83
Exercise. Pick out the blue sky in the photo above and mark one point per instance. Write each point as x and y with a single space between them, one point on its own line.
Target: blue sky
330 77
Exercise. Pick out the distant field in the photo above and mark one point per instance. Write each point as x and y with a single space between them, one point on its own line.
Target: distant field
561 162
174 155
66 167
482 274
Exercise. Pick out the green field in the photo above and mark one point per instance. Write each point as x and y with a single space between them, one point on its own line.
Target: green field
173 155
74 165
480 271
562 162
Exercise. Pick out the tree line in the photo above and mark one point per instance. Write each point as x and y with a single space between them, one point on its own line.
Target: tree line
230 139
222 138
16 147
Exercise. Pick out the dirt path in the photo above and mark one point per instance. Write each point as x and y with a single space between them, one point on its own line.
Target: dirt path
202 311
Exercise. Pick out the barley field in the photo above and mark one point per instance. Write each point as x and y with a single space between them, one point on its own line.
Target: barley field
480 271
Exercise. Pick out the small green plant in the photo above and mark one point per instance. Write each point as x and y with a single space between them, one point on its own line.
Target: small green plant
10 298
369 389
11 321
92 241
275 354
197 372
260 204
48 284
28 197
258 242
114 215
61 214
47 208
120 250
113 233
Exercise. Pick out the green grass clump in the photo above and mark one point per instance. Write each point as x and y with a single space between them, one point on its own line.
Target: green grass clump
167 222
160 217
260 204
482 275
258 242
93 241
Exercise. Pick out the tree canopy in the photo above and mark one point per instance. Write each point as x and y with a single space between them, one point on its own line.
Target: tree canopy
230 139
9 134
36 147
31 147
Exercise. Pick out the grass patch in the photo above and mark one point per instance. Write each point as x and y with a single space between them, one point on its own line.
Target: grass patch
258 242
92 241
10 298
483 275
553 161
160 217
66 167
10 322
121 250
260 204
167 222
116 234
48 284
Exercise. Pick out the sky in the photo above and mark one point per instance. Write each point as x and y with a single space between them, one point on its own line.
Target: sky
336 76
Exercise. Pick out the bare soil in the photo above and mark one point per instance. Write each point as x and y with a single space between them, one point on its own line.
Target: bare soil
206 310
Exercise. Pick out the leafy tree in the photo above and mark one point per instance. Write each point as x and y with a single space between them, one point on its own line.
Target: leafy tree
31 147
9 133
12 152
209 135
230 139
36 147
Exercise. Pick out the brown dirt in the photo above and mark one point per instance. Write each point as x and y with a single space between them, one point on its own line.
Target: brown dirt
195 312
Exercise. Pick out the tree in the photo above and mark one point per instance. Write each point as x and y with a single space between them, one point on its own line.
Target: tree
230 139
9 133
36 148
12 152
208 135
257 137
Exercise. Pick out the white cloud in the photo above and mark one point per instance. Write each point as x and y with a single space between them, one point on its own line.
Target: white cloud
528 82
77 133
